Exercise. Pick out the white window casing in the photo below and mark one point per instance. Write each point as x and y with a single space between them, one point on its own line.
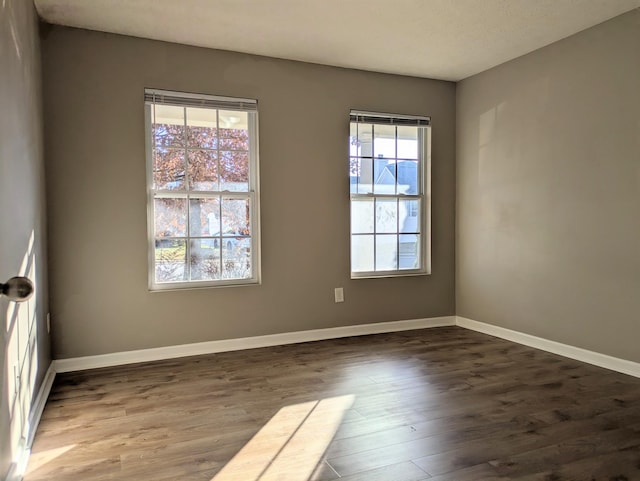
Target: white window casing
390 189
202 190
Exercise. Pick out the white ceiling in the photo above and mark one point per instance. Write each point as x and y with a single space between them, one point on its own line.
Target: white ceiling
442 39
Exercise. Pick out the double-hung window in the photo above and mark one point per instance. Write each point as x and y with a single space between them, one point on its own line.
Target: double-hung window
202 186
389 171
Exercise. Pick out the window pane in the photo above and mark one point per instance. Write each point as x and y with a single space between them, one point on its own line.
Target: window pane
354 173
354 150
202 128
365 176
234 139
409 251
170 260
409 215
354 169
204 217
234 130
234 171
407 142
205 259
236 258
384 141
362 216
168 169
384 175
386 252
365 139
386 215
362 253
170 217
203 170
408 177
235 216
168 125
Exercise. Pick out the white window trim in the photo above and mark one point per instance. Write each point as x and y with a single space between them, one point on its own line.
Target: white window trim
424 166
253 194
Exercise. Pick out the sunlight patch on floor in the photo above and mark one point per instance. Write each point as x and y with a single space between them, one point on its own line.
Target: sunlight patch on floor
37 460
290 446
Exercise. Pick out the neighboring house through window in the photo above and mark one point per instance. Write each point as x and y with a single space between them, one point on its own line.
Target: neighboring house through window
389 172
202 183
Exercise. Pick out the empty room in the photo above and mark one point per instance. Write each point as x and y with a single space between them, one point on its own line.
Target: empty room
320 240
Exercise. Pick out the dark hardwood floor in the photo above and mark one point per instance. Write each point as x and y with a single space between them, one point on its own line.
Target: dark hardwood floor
438 404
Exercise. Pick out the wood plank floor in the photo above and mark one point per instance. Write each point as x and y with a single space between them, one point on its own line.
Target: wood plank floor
438 404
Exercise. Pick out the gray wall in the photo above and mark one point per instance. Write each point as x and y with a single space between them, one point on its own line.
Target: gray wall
97 200
548 191
21 202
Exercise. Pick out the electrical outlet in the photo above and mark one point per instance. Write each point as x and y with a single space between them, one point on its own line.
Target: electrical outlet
48 322
338 293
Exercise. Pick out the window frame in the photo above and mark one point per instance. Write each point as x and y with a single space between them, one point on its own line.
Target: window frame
423 125
252 194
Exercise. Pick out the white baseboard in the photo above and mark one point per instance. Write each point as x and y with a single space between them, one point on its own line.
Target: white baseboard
577 353
21 458
38 406
210 347
17 468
